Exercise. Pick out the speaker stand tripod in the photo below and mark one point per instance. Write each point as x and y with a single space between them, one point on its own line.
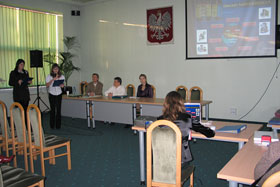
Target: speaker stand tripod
38 98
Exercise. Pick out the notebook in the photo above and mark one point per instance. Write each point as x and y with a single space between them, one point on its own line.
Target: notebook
194 109
232 129
274 121
119 97
57 83
25 81
75 95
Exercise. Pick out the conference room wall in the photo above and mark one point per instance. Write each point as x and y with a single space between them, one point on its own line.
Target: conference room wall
113 49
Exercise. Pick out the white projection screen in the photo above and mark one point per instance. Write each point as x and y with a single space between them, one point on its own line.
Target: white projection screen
230 28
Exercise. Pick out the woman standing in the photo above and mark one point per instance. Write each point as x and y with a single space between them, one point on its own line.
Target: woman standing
174 110
144 89
19 79
55 95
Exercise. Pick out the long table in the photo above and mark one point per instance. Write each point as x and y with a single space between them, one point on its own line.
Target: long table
240 169
117 110
240 138
275 128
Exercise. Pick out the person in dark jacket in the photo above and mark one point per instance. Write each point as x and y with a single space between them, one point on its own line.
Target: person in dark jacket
174 110
19 80
144 89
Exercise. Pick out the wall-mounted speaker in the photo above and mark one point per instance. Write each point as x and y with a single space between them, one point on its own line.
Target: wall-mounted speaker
36 58
75 12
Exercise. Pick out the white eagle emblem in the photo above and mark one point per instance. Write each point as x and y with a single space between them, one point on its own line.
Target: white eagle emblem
159 24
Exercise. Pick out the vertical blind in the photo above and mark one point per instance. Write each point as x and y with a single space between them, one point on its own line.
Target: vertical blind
22 30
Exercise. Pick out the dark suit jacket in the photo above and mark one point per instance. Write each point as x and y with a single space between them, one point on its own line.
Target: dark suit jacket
96 89
147 92
20 92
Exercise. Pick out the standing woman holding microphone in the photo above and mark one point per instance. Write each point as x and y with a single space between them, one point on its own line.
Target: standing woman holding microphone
55 95
19 80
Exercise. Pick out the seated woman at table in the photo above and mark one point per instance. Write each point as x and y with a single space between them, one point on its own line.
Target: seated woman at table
117 89
144 89
174 110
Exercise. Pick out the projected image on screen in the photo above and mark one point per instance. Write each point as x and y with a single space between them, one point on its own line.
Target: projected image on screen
230 28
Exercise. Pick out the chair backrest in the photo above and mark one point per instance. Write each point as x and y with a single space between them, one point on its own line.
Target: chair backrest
4 121
83 86
196 93
18 122
183 91
273 180
154 91
6 131
130 90
19 133
34 123
163 154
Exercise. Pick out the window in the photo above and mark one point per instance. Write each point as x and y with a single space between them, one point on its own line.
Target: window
23 30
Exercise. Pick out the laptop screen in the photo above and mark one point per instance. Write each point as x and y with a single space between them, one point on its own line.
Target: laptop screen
194 109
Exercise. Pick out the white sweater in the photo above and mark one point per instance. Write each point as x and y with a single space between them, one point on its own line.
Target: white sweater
119 91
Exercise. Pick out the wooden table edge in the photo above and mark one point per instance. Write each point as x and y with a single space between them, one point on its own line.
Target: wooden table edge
235 179
130 100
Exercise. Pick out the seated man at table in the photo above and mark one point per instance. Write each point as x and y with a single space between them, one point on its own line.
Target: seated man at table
117 89
95 87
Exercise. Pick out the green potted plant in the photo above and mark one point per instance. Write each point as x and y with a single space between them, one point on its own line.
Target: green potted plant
65 59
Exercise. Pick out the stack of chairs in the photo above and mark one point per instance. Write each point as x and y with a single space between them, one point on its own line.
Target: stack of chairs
30 141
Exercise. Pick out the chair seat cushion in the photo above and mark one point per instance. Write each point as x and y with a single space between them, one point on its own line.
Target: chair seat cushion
51 140
18 177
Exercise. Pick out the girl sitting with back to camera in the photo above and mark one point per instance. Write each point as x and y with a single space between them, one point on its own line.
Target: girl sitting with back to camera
175 111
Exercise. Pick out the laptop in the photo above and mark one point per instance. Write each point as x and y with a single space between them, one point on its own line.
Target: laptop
194 109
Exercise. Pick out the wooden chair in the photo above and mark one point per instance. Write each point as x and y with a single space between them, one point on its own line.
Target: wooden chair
183 91
154 91
11 176
130 90
6 136
196 93
168 141
42 144
273 180
83 86
19 136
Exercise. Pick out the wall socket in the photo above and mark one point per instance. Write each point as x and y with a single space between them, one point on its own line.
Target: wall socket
233 111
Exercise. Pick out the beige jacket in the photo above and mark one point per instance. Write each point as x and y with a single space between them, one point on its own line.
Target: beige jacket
97 90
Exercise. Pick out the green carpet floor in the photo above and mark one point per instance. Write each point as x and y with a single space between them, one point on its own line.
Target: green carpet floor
109 156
